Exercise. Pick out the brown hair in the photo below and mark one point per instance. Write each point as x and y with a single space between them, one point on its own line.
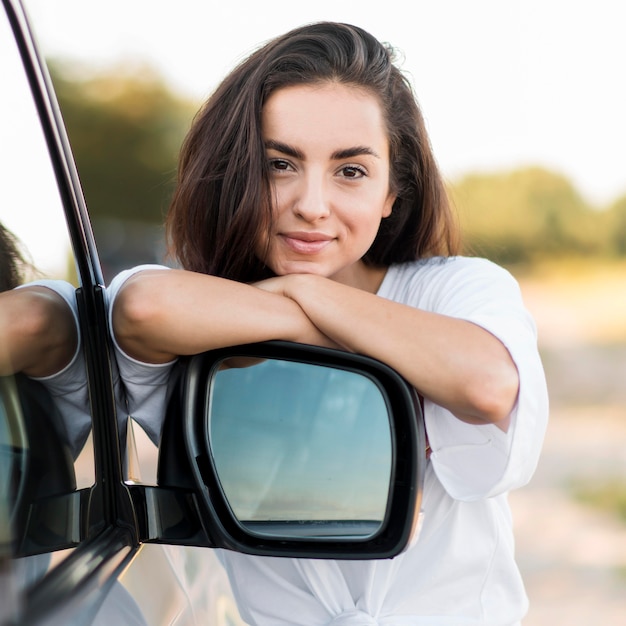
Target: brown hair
223 198
12 262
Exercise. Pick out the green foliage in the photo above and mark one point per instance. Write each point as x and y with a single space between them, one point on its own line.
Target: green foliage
526 215
614 224
125 129
608 495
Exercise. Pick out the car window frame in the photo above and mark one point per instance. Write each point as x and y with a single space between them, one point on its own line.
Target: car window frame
81 580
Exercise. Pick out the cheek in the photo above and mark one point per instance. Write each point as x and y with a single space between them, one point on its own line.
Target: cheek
280 200
263 237
364 227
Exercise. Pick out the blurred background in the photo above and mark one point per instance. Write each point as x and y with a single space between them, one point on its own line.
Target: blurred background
524 103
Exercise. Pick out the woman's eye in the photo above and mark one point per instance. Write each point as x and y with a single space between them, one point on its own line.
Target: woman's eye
279 165
353 171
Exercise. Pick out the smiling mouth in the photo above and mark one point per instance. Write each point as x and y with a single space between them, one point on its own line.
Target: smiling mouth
306 243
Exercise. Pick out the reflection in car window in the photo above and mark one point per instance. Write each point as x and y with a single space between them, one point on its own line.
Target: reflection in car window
51 456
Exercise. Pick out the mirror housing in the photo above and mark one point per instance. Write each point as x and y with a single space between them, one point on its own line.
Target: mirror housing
197 432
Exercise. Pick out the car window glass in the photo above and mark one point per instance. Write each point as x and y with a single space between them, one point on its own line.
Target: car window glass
45 434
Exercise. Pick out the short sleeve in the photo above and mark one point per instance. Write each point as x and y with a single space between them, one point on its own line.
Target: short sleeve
68 387
481 461
143 385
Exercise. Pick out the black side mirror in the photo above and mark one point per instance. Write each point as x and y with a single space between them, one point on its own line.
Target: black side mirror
296 451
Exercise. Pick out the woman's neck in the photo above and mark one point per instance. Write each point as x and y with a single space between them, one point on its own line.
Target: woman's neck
361 276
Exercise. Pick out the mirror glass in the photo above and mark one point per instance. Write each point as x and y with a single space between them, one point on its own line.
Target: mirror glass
52 457
301 450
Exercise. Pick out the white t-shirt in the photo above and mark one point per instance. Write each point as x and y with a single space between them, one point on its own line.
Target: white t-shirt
460 569
140 388
68 387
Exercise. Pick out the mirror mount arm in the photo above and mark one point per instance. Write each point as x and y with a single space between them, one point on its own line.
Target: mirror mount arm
168 515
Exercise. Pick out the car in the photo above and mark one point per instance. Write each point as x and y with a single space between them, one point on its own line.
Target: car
271 449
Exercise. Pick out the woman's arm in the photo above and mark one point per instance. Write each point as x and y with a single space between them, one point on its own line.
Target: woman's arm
452 362
161 314
38 333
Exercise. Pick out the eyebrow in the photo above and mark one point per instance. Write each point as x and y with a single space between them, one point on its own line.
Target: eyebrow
338 155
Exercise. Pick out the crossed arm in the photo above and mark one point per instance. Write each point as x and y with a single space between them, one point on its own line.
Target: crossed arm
159 315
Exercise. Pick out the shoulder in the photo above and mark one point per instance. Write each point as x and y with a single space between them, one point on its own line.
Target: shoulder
123 276
140 379
439 282
62 288
434 268
112 293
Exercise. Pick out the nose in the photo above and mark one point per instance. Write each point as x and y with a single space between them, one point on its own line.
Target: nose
312 201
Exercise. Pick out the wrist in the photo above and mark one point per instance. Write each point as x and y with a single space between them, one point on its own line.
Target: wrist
298 287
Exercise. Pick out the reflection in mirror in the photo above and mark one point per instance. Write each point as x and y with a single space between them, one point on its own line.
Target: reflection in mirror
142 455
300 450
50 394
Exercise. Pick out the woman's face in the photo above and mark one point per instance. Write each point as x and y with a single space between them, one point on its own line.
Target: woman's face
328 156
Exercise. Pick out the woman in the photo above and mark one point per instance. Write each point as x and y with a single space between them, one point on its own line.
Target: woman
309 208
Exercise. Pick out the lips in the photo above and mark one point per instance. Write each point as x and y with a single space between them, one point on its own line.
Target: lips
306 243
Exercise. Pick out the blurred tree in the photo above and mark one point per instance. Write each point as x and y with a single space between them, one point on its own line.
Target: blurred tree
125 128
614 220
525 215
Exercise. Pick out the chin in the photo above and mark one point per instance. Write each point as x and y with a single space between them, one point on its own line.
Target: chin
301 267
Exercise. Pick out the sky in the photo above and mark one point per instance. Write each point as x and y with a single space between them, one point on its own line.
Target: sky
502 83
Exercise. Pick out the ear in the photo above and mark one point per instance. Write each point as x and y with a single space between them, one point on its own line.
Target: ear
388 206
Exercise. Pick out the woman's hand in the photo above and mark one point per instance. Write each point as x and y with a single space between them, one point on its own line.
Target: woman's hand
278 285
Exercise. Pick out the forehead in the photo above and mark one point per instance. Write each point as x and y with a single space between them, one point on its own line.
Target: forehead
343 114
